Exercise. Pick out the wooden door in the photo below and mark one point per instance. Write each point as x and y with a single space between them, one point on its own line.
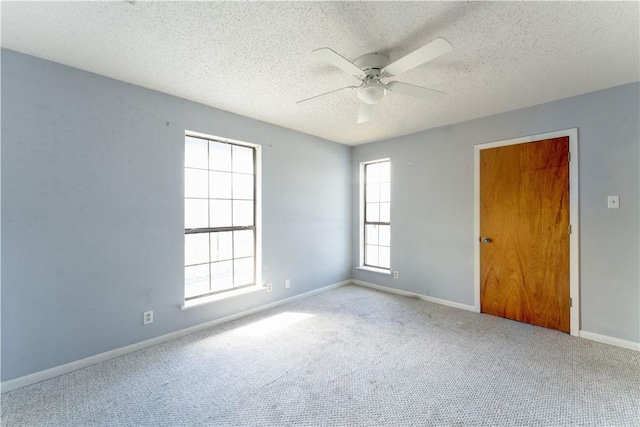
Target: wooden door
524 227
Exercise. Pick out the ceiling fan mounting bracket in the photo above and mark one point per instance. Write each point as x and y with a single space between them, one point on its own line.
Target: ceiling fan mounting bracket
372 64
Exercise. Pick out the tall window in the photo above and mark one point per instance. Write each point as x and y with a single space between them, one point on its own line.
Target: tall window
220 216
377 218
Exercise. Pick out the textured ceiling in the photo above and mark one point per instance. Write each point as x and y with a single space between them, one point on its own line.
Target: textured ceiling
254 58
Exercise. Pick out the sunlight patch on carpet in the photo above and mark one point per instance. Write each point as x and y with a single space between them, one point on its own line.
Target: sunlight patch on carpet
271 324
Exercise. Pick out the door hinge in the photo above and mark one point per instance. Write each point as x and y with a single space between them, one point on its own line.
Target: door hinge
570 302
569 228
569 155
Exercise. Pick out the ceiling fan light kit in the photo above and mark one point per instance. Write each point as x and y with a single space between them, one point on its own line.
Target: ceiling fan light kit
373 67
372 93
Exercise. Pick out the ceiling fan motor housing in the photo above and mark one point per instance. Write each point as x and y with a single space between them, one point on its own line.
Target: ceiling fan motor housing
372 64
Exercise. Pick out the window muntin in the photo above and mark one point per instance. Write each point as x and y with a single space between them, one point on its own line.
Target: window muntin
377 214
220 216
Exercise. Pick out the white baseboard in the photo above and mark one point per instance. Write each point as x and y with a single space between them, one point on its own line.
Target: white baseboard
56 371
610 340
414 295
631 345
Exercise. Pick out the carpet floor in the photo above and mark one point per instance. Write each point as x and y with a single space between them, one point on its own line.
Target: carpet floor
348 357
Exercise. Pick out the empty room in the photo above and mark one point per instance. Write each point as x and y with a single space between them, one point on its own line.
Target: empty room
320 213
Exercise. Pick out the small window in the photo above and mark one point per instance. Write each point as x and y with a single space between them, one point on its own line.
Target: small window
376 209
220 216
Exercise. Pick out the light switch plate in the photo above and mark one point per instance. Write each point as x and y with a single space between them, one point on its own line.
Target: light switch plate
613 202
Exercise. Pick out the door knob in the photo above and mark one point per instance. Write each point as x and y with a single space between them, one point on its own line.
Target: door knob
485 240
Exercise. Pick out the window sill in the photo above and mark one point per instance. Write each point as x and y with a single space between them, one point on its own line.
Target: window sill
374 270
221 296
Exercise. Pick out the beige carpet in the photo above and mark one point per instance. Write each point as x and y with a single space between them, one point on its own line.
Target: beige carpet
348 357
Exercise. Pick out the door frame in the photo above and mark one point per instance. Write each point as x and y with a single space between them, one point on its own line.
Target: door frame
574 238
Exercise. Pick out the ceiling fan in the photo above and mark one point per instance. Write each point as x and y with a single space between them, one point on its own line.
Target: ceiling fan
373 67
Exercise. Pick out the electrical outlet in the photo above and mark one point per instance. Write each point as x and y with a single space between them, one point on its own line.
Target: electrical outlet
269 287
148 317
395 274
287 283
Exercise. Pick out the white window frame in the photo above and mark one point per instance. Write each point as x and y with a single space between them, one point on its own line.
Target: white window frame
361 221
196 301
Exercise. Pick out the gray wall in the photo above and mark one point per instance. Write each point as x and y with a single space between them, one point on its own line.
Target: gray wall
432 203
92 215
92 212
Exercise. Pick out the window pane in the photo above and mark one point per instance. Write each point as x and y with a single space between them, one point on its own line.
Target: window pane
243 271
384 256
373 212
221 276
384 235
242 159
195 183
377 205
242 213
242 243
385 172
373 192
196 248
371 235
219 156
372 173
385 192
220 213
219 192
371 255
195 153
196 280
242 186
221 246
220 185
384 212
195 213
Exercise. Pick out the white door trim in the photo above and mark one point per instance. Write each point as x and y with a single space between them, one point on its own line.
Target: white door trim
574 240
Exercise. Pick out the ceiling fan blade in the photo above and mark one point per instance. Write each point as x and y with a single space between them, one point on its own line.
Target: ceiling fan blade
326 93
338 61
426 53
365 113
415 91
